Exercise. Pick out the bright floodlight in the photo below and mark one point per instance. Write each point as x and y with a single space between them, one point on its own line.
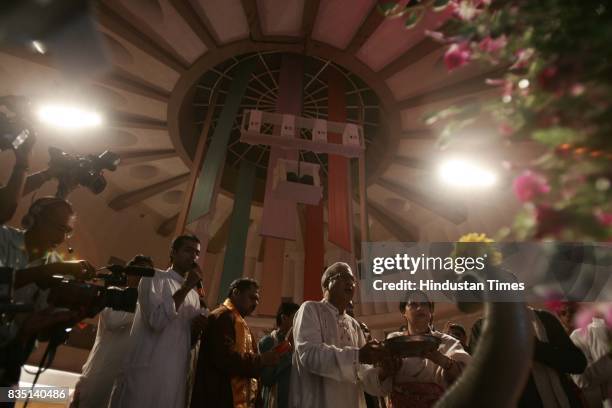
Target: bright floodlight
460 173
68 117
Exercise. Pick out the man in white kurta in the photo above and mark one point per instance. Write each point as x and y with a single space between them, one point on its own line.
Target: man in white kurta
156 367
327 369
104 362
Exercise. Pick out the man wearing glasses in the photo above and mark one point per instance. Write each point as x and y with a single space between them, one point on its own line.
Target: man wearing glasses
47 223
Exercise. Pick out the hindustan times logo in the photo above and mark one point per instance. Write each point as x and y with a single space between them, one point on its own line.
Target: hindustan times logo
412 264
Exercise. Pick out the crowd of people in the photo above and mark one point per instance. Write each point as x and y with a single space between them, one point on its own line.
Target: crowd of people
175 352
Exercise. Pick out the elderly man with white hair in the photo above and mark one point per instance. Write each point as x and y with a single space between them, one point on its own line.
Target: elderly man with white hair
331 363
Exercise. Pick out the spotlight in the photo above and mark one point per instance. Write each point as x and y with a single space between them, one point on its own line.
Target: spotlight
68 117
460 173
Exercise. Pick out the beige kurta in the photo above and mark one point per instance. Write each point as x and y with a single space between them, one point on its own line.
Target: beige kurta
326 372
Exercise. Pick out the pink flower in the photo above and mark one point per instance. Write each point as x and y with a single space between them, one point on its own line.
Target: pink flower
490 45
605 218
523 57
584 317
529 185
505 129
457 55
468 9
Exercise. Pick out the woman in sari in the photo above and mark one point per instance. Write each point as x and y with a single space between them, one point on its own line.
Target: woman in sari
420 381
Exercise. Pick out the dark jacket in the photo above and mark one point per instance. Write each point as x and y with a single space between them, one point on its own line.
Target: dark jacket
561 355
218 362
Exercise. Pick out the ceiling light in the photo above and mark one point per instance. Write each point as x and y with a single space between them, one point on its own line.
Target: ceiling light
460 173
39 47
68 117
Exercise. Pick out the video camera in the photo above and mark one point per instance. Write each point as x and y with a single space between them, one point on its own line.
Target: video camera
84 170
14 128
81 296
90 299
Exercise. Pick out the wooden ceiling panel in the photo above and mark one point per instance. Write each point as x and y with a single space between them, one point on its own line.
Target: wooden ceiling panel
225 17
145 138
408 175
162 19
417 148
413 214
430 73
168 168
392 39
413 118
23 77
158 204
337 21
142 64
281 17
124 101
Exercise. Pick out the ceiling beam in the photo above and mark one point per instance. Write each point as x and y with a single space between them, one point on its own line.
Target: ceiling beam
403 231
425 47
130 120
133 197
118 78
122 80
191 17
115 22
417 134
139 156
412 162
470 86
371 24
453 211
167 227
252 15
311 9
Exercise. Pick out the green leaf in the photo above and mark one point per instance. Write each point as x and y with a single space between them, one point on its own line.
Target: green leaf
556 135
413 18
440 4
388 8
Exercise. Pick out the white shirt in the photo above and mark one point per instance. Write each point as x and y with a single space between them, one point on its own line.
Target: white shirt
105 359
156 366
596 380
325 371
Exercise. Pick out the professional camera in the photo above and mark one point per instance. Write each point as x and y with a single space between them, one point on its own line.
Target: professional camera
89 299
84 170
14 127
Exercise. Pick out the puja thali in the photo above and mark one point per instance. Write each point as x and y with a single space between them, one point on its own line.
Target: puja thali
411 346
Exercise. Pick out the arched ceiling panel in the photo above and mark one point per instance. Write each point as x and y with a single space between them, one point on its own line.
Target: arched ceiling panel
413 118
337 21
225 17
281 17
430 73
144 65
172 31
392 39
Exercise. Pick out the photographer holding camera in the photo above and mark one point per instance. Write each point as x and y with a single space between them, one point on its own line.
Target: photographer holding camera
30 255
21 143
109 350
